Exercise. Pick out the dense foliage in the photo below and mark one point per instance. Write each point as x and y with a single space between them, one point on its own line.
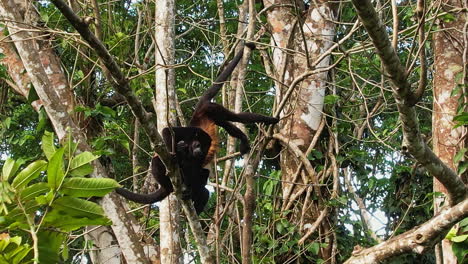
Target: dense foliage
359 108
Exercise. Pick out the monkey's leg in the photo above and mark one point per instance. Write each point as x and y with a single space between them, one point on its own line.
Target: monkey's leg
200 197
219 113
237 133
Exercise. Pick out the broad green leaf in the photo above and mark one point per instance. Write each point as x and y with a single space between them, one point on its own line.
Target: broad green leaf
460 250
68 223
462 167
88 187
34 190
55 173
82 159
3 260
78 207
13 251
105 111
314 248
458 239
82 171
331 99
22 252
464 222
65 251
16 239
30 173
9 169
459 155
70 147
48 144
44 199
17 214
50 243
452 233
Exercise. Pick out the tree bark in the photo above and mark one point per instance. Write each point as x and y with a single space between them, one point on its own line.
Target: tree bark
44 70
413 142
169 210
427 235
309 33
448 74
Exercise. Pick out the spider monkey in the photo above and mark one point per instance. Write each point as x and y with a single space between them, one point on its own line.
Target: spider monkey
197 144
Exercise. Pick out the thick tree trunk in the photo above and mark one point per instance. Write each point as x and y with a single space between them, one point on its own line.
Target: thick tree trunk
448 64
169 210
45 73
310 36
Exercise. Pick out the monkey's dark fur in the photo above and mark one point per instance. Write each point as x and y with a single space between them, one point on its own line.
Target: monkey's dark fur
197 143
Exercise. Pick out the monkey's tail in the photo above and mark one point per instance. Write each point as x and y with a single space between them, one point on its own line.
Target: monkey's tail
150 198
223 76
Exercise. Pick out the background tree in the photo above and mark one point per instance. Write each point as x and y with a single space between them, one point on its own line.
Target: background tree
348 173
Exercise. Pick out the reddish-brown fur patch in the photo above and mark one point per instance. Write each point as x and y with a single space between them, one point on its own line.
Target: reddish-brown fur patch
210 128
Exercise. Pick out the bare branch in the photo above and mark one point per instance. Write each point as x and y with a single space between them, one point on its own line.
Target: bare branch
417 240
412 141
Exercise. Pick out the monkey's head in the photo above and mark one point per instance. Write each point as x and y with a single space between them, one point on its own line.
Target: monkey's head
192 143
200 145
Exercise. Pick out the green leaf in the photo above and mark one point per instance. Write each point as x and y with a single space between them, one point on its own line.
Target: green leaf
82 159
9 169
314 248
88 187
461 119
21 253
279 227
43 119
331 99
460 250
55 173
48 144
462 167
105 111
7 122
67 223
78 207
30 173
459 155
459 239
464 222
34 190
452 233
32 95
69 146
448 17
82 171
49 246
17 214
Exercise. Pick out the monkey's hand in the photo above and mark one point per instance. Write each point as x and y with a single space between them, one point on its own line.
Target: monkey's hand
181 146
181 149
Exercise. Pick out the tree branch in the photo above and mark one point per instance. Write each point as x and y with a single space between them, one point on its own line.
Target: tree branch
416 240
412 140
119 81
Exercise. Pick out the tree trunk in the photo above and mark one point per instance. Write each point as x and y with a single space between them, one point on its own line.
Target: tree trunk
45 73
169 210
449 68
310 36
